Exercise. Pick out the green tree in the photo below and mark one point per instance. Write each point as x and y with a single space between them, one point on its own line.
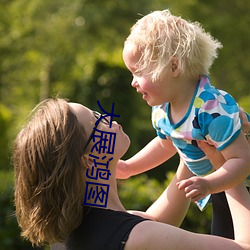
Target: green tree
73 48
228 22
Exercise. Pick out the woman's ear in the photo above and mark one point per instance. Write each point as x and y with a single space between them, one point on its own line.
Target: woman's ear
175 66
87 161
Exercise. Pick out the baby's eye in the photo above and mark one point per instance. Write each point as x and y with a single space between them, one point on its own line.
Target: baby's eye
137 73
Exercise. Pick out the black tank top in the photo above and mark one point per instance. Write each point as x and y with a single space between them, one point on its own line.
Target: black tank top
102 229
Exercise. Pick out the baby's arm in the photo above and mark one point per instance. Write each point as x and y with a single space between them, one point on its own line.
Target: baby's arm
153 154
234 171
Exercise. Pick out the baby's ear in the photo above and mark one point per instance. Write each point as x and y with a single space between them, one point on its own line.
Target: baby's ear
175 66
87 161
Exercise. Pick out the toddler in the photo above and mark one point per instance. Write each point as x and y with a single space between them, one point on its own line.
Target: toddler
170 59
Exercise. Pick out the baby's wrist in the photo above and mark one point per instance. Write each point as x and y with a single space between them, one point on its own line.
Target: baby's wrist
127 169
209 185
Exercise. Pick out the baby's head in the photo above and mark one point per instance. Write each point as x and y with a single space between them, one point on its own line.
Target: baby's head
161 37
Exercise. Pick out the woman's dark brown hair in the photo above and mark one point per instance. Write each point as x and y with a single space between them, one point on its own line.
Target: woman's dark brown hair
49 173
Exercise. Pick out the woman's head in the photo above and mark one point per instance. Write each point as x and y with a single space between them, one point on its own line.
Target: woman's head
88 118
49 174
161 36
50 166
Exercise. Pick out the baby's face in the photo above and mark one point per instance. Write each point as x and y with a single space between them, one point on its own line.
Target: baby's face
154 93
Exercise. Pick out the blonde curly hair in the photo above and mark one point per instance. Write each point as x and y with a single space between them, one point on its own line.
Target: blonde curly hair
160 36
49 186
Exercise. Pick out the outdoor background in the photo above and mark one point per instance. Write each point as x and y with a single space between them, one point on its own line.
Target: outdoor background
72 48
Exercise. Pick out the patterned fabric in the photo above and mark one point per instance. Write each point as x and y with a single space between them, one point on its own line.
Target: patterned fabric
213 115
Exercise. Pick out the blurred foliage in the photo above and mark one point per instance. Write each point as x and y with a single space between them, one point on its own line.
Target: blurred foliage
244 102
72 48
5 124
139 192
9 231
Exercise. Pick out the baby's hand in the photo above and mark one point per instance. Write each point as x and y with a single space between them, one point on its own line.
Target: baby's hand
122 171
195 187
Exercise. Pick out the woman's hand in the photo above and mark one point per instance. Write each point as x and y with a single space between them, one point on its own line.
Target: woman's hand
245 124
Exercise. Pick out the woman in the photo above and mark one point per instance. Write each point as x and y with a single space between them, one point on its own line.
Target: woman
54 164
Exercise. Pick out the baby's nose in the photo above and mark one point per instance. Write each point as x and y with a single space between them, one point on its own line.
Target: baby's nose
134 83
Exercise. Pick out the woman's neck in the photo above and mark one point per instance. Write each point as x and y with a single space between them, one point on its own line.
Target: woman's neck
105 188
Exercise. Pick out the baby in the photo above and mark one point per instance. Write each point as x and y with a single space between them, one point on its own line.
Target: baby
170 59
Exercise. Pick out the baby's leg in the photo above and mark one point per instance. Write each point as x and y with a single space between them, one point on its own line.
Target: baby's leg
171 207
